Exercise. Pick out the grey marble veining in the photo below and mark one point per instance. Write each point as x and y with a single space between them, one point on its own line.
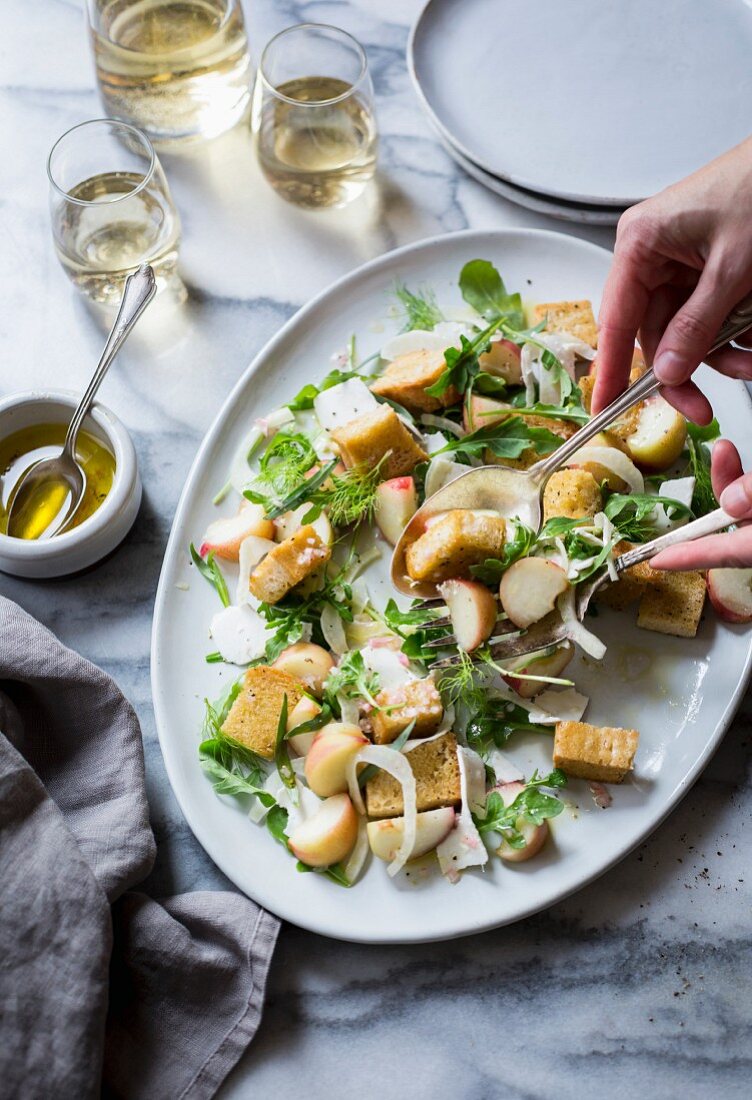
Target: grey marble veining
638 984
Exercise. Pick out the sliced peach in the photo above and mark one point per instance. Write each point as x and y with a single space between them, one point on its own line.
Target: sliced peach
730 592
472 609
329 835
224 536
431 827
552 665
503 359
530 588
330 752
396 504
535 835
659 435
305 710
307 662
482 412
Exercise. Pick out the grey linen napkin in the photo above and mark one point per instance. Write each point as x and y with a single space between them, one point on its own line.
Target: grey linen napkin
102 988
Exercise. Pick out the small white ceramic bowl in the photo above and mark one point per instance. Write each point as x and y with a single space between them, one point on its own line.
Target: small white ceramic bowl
101 532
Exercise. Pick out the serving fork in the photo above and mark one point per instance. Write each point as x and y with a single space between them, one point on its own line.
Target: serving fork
553 629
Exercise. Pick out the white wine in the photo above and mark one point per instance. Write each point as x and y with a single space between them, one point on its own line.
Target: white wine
316 142
100 243
177 69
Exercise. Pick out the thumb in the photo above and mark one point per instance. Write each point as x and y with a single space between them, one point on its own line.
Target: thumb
691 332
736 498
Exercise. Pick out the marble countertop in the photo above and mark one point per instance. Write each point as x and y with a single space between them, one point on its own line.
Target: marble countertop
637 984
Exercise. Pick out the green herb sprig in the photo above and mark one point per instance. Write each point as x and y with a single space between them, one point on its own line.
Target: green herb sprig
211 572
420 309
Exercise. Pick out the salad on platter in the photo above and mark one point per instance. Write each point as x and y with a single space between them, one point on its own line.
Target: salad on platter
362 723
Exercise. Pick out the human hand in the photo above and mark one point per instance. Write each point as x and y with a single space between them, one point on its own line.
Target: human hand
734 491
682 261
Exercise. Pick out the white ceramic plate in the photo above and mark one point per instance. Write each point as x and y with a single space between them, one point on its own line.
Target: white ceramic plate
681 695
563 211
586 100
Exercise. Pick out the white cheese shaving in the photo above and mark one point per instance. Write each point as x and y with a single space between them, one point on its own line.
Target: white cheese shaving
553 706
678 488
391 667
444 335
504 769
239 633
440 472
433 442
252 550
464 846
342 403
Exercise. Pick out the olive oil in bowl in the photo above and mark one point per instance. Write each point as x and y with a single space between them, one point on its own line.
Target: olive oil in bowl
25 447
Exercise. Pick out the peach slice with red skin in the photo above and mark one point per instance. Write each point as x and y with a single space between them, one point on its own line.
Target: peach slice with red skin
330 752
481 412
530 588
535 835
472 609
504 360
307 662
329 835
305 710
552 665
730 592
224 536
396 504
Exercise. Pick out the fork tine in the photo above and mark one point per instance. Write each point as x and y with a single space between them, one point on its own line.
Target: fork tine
450 639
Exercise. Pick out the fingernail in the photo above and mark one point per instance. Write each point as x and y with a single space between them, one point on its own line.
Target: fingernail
669 367
735 499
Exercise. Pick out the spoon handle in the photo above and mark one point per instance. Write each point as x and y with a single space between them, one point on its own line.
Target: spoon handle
737 322
140 288
705 525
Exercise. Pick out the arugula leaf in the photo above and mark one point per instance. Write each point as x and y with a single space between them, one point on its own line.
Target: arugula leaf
336 872
215 658
483 288
421 310
703 498
634 514
495 720
561 525
276 823
298 496
288 617
462 364
575 545
532 805
489 385
282 760
352 679
312 724
573 411
507 439
304 399
491 570
211 572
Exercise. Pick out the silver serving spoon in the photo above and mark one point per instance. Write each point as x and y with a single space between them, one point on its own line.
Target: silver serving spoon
552 630
517 493
63 469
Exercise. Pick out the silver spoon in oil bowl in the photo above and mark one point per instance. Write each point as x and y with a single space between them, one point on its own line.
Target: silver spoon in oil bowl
36 488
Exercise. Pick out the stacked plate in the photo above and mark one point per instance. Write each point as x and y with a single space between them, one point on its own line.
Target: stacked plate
579 110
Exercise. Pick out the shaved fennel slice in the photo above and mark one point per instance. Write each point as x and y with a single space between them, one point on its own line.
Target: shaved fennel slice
441 471
464 846
358 855
446 334
608 532
444 424
578 632
252 550
333 630
614 460
397 766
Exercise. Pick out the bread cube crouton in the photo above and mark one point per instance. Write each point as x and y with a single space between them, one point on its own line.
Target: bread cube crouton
437 780
406 379
602 753
379 437
254 716
576 318
563 428
419 702
673 604
632 584
572 494
455 541
586 385
294 559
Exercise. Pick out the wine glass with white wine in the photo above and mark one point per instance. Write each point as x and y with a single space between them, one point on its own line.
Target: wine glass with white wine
313 116
111 209
177 69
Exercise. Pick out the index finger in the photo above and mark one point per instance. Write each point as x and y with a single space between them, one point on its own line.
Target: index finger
625 301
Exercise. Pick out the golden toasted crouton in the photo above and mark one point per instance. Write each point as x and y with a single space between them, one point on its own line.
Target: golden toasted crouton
571 493
586 385
288 564
437 780
419 702
673 604
406 379
254 716
603 753
366 441
563 428
454 542
632 584
576 318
